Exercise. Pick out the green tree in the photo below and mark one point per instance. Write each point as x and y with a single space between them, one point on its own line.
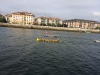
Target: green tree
48 24
53 25
97 28
59 25
2 19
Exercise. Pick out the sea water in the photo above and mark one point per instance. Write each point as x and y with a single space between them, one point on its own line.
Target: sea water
21 54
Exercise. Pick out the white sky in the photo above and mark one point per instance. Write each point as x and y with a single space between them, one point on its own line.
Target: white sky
63 9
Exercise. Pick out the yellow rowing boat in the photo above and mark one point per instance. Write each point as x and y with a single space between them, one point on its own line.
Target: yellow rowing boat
48 40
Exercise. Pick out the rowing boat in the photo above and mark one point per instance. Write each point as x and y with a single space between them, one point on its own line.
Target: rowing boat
48 40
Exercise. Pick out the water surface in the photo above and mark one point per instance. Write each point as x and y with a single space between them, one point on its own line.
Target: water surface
20 54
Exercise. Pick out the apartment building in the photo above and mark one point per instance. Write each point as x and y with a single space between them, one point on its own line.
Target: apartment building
22 18
8 18
48 20
80 23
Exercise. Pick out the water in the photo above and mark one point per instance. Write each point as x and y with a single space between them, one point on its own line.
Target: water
20 54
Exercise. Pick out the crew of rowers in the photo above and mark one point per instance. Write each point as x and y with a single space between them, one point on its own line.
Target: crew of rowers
55 36
48 40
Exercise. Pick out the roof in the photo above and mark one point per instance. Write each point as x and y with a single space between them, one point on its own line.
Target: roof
24 13
8 15
49 18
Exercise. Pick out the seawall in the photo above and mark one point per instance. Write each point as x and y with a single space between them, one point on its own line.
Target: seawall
48 28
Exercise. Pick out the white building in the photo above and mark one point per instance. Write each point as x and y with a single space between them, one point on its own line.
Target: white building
22 18
46 20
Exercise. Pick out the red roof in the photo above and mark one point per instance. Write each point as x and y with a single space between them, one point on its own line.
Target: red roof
23 13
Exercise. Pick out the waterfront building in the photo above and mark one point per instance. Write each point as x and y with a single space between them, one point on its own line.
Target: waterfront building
80 23
98 25
8 18
22 18
48 21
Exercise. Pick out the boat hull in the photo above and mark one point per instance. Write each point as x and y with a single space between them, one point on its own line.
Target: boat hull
96 41
48 40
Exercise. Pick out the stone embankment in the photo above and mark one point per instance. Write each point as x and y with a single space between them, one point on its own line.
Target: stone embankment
48 28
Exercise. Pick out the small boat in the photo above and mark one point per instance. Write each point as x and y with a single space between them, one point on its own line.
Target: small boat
55 36
87 31
46 36
48 40
96 41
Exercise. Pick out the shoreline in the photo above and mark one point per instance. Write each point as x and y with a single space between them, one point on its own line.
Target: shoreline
48 28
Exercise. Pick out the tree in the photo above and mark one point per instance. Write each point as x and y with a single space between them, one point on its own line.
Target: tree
53 25
2 19
97 28
48 24
59 25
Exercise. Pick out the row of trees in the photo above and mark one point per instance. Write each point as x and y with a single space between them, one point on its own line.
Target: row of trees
54 25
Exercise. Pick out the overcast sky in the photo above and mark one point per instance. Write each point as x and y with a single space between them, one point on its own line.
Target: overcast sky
63 9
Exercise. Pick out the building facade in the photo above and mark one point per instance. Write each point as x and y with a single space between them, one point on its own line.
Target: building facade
48 20
22 18
8 18
80 23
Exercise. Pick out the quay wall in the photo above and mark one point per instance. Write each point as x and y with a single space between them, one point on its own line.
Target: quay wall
48 28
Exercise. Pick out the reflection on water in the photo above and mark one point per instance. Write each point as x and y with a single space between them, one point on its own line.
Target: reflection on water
20 54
